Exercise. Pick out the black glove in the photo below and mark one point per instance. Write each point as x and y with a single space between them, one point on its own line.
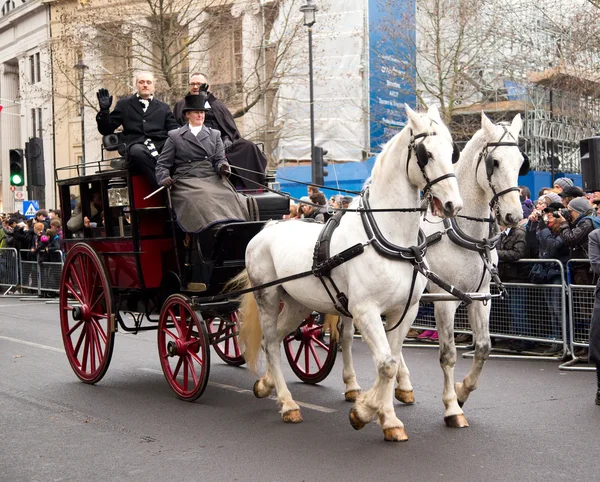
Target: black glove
226 142
225 170
204 87
167 182
104 99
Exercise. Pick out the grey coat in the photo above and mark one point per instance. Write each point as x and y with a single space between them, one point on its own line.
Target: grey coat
201 196
594 254
183 147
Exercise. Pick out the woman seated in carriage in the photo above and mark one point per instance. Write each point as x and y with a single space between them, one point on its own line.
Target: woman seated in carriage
194 157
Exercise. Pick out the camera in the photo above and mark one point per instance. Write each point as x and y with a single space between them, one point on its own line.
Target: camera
564 212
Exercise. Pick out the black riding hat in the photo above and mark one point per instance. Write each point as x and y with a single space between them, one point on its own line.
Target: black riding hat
196 102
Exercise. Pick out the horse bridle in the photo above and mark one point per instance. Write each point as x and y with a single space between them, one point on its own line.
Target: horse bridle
489 167
423 159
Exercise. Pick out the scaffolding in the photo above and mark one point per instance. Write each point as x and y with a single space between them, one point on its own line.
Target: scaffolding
546 76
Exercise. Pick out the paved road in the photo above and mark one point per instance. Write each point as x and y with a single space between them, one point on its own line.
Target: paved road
529 421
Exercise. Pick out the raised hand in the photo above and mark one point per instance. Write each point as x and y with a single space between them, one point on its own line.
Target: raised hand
104 99
204 87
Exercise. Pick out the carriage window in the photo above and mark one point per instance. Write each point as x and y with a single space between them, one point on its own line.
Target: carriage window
87 210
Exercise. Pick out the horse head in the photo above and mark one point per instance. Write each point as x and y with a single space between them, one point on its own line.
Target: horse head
432 154
499 165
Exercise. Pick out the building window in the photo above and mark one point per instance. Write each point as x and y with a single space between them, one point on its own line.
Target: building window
35 68
36 122
7 6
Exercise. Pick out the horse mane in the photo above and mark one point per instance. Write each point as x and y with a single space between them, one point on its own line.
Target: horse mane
384 154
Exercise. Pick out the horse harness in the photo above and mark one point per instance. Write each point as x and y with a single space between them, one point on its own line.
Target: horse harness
323 263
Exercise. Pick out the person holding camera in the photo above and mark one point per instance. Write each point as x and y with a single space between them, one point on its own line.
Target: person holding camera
576 223
550 245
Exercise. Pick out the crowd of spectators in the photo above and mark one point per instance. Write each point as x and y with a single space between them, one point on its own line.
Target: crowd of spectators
315 206
39 236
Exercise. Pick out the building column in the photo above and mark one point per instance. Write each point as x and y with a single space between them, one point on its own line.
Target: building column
10 127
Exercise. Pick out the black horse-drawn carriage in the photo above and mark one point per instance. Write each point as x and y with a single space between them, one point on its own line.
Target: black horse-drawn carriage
129 267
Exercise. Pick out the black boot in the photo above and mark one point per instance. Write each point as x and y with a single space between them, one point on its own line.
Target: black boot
598 377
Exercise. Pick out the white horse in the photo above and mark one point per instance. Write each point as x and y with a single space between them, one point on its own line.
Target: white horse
374 285
488 177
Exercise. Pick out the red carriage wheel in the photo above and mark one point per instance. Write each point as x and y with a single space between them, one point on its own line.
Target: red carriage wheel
183 348
310 351
86 314
224 339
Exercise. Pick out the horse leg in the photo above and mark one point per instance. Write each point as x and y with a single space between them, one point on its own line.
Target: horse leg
268 310
479 315
444 319
348 373
404 390
378 401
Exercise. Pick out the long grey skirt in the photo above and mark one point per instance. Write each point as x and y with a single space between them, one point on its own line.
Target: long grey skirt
201 198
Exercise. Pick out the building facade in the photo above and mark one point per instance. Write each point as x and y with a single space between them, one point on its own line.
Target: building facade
25 85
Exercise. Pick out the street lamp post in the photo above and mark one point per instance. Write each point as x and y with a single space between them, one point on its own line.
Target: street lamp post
81 67
309 11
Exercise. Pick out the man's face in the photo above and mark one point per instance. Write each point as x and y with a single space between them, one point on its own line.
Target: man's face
557 189
574 215
145 85
41 218
195 83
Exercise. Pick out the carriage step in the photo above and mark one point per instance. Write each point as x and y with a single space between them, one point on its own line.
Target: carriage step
197 287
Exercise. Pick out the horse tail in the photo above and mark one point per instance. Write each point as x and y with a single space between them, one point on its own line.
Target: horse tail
331 324
248 323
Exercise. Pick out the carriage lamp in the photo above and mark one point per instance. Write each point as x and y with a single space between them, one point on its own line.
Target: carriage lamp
118 193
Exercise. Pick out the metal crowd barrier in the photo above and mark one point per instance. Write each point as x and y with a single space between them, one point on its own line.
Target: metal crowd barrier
9 268
530 312
581 308
41 276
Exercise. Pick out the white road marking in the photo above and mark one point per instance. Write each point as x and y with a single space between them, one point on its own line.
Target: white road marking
20 304
30 343
233 388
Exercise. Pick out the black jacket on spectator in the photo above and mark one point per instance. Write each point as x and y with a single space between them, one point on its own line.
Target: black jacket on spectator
512 247
22 238
576 237
138 125
550 247
594 252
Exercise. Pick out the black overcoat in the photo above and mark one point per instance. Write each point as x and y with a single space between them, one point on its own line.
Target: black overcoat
138 125
594 253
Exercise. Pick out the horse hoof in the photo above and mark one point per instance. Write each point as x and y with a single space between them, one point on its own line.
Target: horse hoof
456 421
351 395
293 416
395 435
258 393
405 396
355 421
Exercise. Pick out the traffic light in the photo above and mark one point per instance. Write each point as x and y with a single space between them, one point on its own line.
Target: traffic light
34 153
319 173
17 167
589 150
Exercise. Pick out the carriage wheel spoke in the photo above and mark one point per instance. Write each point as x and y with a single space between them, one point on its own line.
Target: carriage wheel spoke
185 373
74 293
316 356
193 371
99 329
93 344
174 318
177 368
95 303
75 326
300 346
86 345
197 358
82 281
307 357
79 342
170 333
321 344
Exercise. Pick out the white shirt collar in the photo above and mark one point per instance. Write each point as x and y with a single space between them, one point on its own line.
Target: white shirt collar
195 130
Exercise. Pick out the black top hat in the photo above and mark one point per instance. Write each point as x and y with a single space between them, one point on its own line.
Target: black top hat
196 102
